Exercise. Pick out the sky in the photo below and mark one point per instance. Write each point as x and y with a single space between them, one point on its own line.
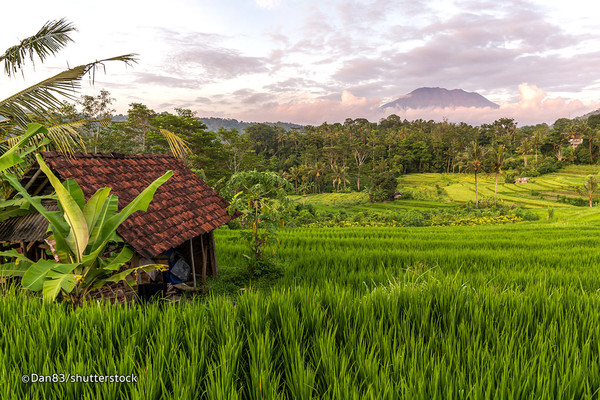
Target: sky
310 62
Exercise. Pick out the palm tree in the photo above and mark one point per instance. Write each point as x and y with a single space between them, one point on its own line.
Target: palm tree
294 174
317 170
473 160
339 175
36 102
590 188
497 155
524 148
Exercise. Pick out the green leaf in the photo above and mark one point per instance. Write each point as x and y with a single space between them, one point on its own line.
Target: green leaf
11 157
79 235
117 261
34 277
150 267
58 223
14 254
14 269
94 206
52 287
75 191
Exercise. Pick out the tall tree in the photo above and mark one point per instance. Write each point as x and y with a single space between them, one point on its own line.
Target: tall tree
98 109
497 155
590 188
473 161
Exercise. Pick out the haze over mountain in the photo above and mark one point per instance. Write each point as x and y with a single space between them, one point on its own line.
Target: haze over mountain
428 97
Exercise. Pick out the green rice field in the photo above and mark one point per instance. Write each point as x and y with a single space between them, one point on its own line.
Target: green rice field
477 312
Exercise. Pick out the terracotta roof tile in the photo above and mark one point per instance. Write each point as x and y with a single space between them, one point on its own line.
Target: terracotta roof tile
183 207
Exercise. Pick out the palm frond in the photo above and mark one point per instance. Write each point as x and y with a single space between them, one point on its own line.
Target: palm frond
62 137
178 146
41 97
52 37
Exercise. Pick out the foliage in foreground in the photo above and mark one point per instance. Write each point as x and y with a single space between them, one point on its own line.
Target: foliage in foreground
416 337
261 199
81 232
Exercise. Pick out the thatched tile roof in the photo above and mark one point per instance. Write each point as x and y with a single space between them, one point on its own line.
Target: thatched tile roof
183 207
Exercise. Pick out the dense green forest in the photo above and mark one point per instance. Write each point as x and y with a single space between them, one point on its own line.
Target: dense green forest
353 155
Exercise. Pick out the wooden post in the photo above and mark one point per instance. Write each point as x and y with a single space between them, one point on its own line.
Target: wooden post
193 261
213 253
203 258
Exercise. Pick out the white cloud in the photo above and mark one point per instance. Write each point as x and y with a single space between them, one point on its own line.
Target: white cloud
268 4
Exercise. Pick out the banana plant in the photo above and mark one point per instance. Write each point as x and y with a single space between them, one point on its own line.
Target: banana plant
81 232
13 157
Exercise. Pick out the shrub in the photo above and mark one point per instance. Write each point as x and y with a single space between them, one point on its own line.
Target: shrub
548 166
384 186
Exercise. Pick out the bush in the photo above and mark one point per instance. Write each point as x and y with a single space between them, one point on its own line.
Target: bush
384 186
548 166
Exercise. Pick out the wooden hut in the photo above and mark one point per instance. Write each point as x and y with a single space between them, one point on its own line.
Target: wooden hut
182 215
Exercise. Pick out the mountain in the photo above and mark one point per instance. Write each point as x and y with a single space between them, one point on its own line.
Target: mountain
439 97
213 124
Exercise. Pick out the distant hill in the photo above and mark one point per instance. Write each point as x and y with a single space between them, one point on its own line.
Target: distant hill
439 97
586 116
214 124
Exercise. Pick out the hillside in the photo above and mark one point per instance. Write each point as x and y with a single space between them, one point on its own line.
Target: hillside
213 124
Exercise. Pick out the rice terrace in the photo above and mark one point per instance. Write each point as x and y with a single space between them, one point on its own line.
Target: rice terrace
161 255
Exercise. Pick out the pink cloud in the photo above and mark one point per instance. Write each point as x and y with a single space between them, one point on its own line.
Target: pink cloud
317 111
534 106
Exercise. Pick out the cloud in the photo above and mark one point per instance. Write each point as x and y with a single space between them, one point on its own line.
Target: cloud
202 54
487 48
316 111
268 4
219 62
148 78
534 106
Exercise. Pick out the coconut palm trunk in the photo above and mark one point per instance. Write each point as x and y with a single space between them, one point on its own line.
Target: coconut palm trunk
476 192
496 191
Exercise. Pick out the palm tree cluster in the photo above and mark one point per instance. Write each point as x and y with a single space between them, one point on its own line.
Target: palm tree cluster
42 101
475 158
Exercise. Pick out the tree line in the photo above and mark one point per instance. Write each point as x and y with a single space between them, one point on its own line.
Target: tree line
340 156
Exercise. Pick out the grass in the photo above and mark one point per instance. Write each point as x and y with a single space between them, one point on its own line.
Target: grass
487 311
461 187
417 337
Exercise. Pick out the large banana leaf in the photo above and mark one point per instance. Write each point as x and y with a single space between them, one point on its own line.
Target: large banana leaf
34 277
95 206
13 269
12 157
58 280
116 262
78 236
75 191
58 225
